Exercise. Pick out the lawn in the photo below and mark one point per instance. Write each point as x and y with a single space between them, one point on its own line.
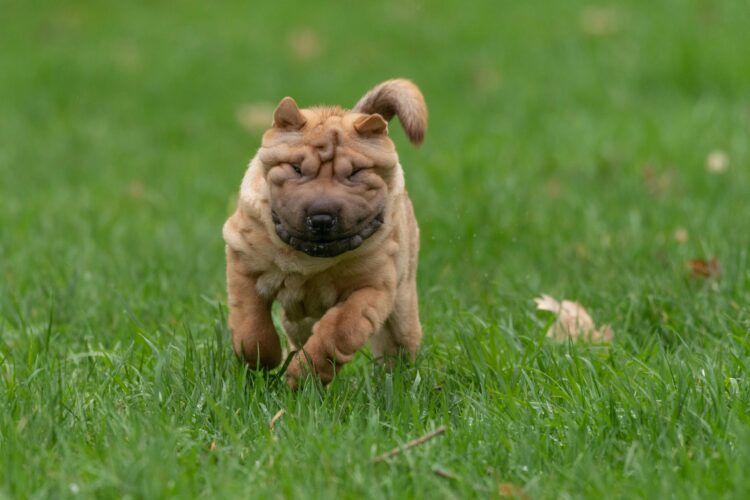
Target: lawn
567 154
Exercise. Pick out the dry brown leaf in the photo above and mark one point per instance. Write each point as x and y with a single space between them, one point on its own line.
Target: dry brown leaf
511 490
305 44
573 322
658 182
704 268
276 418
255 117
681 235
717 162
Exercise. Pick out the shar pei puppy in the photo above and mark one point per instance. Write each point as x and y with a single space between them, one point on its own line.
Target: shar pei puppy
324 226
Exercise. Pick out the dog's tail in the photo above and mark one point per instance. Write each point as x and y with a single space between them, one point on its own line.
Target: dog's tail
398 97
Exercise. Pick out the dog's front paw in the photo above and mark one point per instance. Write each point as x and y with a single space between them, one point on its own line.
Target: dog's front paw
294 373
309 363
302 367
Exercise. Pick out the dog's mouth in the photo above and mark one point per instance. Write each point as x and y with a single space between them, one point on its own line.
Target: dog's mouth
325 245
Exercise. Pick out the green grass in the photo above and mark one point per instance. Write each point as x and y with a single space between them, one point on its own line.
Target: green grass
567 143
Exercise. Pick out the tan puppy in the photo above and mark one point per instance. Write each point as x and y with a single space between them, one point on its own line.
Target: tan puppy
324 226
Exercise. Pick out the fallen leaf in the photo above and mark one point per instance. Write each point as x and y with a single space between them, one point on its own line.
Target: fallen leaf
657 182
276 418
717 162
305 44
255 117
573 322
681 235
704 268
511 490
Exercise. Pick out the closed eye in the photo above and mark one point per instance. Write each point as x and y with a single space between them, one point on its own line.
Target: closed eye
355 171
296 168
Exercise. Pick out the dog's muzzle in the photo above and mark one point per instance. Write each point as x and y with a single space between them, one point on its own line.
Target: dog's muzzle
320 242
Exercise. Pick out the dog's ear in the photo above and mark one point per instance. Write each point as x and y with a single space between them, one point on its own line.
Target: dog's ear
288 115
373 124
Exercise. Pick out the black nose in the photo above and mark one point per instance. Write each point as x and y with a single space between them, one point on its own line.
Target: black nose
321 223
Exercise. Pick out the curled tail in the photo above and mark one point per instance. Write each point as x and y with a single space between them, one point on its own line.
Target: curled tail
398 97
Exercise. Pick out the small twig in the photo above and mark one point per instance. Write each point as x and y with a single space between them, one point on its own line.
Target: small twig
275 418
410 444
440 472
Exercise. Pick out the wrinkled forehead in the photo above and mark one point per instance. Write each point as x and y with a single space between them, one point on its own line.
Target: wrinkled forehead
324 137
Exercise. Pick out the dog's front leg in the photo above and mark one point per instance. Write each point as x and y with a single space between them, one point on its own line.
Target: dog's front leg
341 332
254 337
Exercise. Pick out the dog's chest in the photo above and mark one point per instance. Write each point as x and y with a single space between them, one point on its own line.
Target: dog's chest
300 296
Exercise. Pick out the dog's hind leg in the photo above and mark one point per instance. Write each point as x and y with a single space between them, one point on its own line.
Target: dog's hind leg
383 345
254 337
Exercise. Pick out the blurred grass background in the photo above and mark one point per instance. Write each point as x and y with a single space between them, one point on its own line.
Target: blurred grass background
566 154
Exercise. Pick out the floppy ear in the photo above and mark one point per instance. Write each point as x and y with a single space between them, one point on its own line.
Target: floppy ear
373 124
288 115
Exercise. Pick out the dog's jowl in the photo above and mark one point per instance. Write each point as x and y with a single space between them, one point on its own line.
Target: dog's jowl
324 226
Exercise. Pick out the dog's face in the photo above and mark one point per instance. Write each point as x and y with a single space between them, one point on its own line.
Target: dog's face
329 172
